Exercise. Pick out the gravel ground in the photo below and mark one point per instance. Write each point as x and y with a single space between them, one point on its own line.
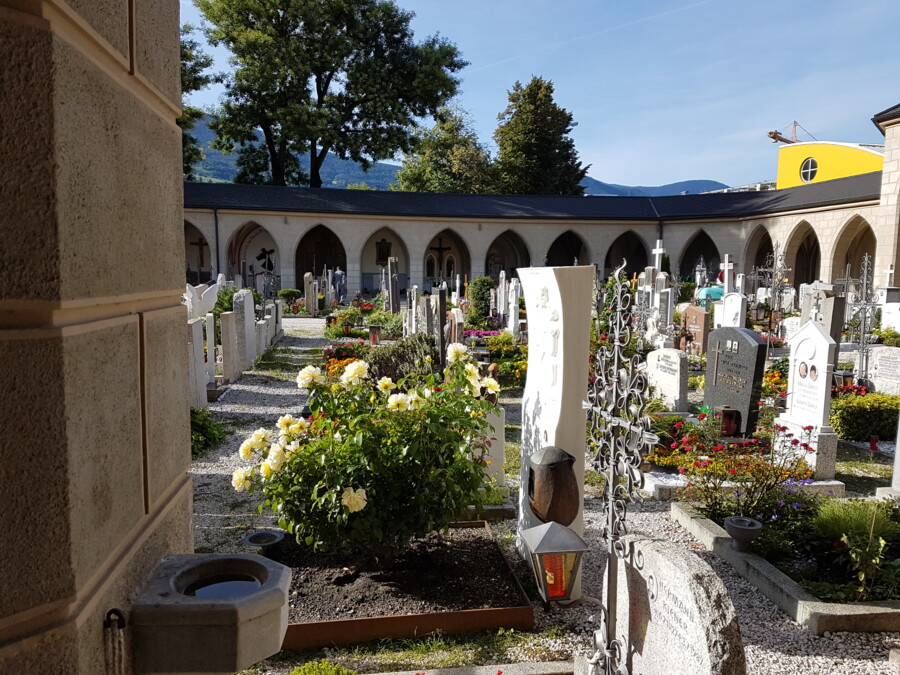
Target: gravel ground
774 644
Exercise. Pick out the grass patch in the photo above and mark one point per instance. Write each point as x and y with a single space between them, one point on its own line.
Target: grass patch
512 455
279 363
862 471
431 651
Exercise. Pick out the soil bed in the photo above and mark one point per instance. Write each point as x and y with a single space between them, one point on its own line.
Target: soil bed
460 570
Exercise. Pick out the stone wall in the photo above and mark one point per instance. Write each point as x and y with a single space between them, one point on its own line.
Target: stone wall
93 368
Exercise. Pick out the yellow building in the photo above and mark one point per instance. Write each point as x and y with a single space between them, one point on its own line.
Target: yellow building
818 161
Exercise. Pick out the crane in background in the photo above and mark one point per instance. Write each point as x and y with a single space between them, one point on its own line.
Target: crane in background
777 136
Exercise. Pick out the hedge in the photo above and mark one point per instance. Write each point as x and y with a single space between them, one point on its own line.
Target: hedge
856 418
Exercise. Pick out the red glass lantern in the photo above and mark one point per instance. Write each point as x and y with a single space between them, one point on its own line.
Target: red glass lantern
555 558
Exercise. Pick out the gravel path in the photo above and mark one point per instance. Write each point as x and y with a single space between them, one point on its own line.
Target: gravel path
774 644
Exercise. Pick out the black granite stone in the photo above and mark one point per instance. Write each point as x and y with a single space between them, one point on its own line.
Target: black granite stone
735 363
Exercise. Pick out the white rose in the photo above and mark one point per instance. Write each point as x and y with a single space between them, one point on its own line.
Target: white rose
354 500
456 351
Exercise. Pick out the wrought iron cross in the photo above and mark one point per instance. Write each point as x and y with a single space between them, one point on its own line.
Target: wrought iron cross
619 431
861 305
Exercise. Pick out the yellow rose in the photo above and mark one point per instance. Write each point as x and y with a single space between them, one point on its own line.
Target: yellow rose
240 479
354 500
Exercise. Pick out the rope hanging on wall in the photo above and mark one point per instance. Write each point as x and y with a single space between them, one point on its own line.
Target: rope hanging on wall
114 642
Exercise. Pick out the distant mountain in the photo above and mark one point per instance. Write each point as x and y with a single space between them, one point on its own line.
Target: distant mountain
599 188
339 173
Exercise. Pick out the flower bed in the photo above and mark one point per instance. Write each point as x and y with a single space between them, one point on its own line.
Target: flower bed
803 607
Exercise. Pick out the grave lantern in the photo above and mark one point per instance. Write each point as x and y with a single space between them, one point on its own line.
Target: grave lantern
346 325
555 558
843 378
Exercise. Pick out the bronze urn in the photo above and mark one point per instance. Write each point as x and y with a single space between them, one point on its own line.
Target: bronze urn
553 493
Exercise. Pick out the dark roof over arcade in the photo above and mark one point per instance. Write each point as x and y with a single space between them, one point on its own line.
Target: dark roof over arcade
431 205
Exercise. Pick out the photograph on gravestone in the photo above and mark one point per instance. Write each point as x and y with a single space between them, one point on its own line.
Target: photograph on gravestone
734 368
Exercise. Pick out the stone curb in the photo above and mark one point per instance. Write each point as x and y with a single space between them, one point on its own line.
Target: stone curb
660 489
542 668
804 608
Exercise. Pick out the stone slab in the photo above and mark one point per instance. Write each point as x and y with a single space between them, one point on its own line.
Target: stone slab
674 614
665 486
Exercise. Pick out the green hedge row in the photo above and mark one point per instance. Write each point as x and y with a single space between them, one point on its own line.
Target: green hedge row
856 418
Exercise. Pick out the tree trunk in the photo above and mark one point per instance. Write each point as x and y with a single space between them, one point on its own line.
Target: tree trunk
276 160
315 180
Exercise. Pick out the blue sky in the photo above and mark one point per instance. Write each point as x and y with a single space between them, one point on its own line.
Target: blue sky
669 90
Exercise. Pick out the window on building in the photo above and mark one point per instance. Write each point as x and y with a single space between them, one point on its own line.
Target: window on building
808 169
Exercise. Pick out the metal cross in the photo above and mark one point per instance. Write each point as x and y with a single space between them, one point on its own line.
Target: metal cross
620 431
774 276
861 306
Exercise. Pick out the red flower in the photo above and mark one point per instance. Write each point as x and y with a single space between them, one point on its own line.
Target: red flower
678 425
687 448
681 470
796 441
808 427
732 470
674 445
701 416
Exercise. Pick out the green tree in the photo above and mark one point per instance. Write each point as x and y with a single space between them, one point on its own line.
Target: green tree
320 76
194 64
535 154
448 158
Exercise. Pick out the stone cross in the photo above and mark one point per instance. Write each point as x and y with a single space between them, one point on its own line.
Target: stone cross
658 254
513 300
889 277
413 314
502 301
726 267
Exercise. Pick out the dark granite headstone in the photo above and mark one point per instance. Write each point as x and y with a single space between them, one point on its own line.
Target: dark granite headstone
735 363
696 322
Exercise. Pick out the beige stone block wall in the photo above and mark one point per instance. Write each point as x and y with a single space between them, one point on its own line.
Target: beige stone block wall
93 424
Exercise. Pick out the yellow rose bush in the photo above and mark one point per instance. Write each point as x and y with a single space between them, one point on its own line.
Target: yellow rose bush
378 463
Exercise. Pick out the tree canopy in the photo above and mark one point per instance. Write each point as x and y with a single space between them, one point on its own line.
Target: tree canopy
535 155
194 64
448 158
326 75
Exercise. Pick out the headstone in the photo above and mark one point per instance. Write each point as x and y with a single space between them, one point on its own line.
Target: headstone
739 283
674 614
458 325
232 356
884 369
697 323
245 319
441 339
734 367
789 327
393 286
734 310
789 300
502 301
514 292
329 290
413 315
426 316
279 319
209 337
821 303
196 367
492 309
667 372
558 301
496 451
809 397
310 295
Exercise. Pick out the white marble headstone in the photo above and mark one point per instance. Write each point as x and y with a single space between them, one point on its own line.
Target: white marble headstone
558 301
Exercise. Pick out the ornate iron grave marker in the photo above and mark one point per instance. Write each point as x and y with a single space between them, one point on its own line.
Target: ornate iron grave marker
619 431
862 301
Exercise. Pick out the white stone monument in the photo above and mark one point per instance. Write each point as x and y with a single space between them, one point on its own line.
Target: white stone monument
667 372
809 398
558 301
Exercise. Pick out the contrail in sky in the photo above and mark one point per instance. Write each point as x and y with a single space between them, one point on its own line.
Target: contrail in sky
554 45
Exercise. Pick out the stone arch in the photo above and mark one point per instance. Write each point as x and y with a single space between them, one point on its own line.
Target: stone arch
383 244
566 249
759 248
197 255
446 256
699 245
630 247
251 251
319 248
803 255
855 240
506 253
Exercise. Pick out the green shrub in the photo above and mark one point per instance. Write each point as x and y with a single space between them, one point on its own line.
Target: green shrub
856 418
377 464
686 291
225 300
479 314
392 327
290 295
855 517
206 433
322 667
413 354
